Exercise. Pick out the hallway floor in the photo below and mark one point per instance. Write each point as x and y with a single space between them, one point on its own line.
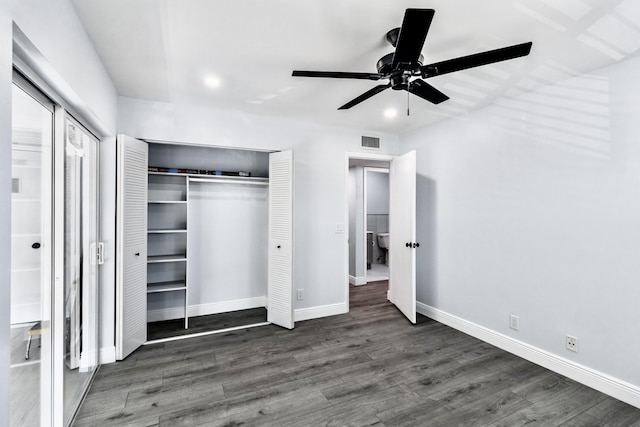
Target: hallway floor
377 273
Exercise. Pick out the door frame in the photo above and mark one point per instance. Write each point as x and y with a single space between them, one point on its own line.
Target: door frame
355 156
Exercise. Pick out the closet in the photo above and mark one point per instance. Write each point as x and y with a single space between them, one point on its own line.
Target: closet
200 231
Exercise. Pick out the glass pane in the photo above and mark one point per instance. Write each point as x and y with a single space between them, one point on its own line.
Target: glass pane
81 268
31 255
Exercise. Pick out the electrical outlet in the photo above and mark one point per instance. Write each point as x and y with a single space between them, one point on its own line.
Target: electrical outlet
300 294
572 343
514 322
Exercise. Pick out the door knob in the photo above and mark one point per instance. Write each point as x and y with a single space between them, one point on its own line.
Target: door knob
408 245
137 254
416 245
278 246
36 245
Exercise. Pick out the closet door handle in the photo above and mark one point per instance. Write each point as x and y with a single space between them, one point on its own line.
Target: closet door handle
36 245
278 246
137 253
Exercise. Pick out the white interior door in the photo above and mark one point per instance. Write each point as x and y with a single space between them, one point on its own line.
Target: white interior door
280 251
131 241
402 234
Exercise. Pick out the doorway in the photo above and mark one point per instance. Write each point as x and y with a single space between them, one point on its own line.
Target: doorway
401 237
368 224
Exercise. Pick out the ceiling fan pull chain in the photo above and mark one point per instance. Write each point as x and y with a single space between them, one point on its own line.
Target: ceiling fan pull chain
408 85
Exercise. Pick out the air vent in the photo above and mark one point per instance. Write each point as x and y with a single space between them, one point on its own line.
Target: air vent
371 142
15 185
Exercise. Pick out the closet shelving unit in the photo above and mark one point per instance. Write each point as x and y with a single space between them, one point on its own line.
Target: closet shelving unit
167 235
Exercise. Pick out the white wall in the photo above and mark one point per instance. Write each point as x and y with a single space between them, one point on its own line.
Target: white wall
227 219
377 193
532 207
65 57
5 212
320 184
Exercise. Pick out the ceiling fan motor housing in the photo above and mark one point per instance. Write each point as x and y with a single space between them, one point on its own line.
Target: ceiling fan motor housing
385 66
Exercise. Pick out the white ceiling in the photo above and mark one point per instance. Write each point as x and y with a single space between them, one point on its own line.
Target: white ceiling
164 49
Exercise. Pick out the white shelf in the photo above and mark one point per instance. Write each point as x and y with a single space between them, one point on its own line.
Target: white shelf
166 258
166 287
25 269
165 231
167 202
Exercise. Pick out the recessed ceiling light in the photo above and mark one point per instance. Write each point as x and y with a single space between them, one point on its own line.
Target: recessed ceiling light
390 113
212 81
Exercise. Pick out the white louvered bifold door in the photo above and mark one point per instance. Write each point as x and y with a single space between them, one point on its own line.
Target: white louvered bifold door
131 242
280 253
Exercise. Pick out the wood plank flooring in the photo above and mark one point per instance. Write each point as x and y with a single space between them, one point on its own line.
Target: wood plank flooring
174 328
25 378
369 367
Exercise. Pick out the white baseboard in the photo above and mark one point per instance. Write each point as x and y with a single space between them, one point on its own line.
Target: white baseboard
320 311
243 304
205 309
107 355
602 382
226 306
357 281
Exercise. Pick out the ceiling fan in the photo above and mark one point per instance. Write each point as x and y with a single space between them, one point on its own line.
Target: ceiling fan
407 61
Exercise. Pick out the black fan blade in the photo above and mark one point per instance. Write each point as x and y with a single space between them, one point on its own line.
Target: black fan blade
337 75
425 91
413 33
368 94
476 60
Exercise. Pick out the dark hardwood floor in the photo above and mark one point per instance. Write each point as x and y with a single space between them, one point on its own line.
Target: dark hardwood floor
199 324
368 367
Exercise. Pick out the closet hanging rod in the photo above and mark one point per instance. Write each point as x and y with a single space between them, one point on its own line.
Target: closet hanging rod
264 182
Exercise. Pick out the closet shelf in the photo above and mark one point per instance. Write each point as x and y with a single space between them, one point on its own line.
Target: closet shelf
166 287
166 258
229 180
168 202
25 200
166 231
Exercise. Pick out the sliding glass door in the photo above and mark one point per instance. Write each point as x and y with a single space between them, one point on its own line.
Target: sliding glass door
81 259
82 255
55 257
31 255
